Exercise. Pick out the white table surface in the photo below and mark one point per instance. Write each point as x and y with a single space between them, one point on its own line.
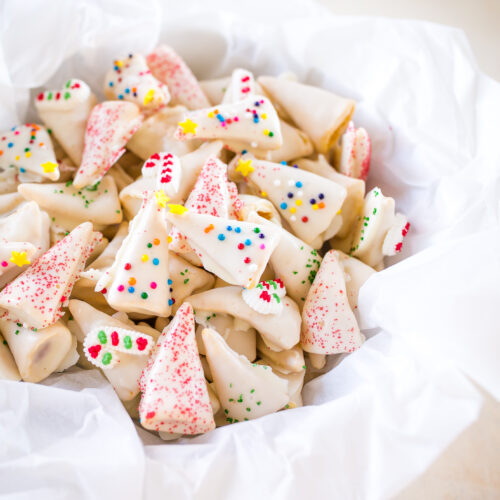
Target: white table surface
470 468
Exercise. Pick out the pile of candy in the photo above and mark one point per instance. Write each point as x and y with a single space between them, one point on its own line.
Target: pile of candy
201 243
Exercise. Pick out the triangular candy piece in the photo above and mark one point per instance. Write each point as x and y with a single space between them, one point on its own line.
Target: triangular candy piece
328 323
131 80
137 280
355 154
124 375
246 390
36 297
294 262
66 112
309 203
174 392
253 121
98 204
170 68
378 222
321 114
237 252
29 148
110 125
209 196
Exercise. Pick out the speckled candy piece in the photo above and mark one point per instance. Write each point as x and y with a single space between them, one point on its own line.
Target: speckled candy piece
29 149
209 196
65 112
174 392
110 125
245 390
356 152
36 297
131 80
378 222
328 323
235 203
253 121
237 252
138 279
168 67
308 202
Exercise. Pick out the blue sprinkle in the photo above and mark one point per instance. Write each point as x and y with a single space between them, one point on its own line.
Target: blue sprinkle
298 184
127 91
283 206
248 243
120 96
131 289
116 68
237 229
312 201
10 144
290 195
170 302
13 128
22 169
256 119
261 236
244 152
295 166
283 162
257 103
169 281
321 196
156 261
229 228
221 237
110 84
220 117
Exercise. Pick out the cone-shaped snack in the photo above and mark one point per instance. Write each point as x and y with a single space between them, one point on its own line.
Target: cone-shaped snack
157 134
70 206
36 297
170 68
280 331
137 280
379 231
40 353
124 376
210 195
185 279
131 80
237 252
354 160
262 207
253 121
9 201
26 225
215 89
245 390
321 114
131 196
8 367
309 203
356 273
66 112
241 86
29 148
295 263
110 125
328 323
174 392
355 188
290 360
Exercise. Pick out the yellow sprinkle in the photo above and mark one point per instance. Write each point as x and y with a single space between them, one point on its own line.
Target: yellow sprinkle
211 114
293 210
118 63
315 206
161 198
339 211
19 259
169 239
177 209
17 158
27 154
49 166
266 131
291 405
144 258
188 127
245 167
263 193
298 202
149 97
263 116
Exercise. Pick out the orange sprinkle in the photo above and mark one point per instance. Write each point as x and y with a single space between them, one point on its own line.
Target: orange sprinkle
41 144
321 205
132 281
1 152
156 241
209 228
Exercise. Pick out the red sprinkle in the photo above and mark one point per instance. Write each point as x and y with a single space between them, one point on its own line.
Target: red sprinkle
114 338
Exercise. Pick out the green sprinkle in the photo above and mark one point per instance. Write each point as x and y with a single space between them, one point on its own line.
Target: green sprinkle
303 367
68 83
231 400
127 342
256 230
106 359
49 96
230 385
248 409
67 95
102 337
4 342
374 211
226 411
259 403
17 332
186 281
229 419
252 391
69 183
144 295
240 399
19 324
150 245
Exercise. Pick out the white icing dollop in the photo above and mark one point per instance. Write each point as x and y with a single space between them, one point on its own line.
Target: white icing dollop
266 297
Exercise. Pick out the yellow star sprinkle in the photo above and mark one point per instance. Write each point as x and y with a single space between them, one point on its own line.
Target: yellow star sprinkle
19 259
177 209
161 198
245 167
49 166
188 127
149 97
339 211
